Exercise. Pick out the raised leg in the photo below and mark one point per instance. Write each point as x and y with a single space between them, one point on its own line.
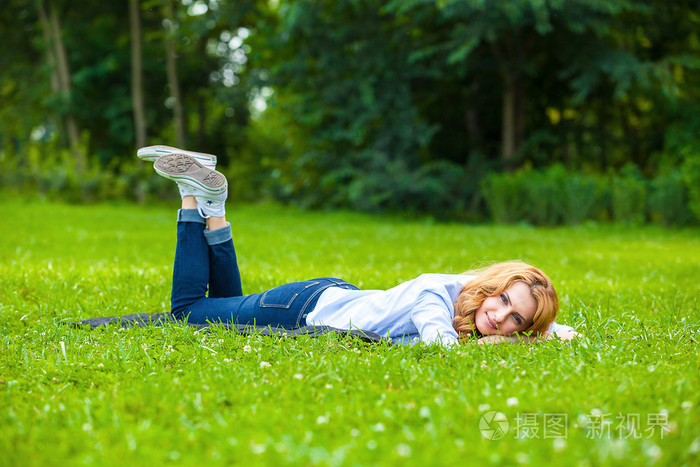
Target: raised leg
224 275
191 267
204 257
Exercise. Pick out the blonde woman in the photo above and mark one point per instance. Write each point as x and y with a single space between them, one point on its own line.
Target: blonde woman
510 301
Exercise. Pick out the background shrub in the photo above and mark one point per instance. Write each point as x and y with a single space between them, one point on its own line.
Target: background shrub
554 196
668 200
444 190
551 196
505 196
691 176
53 175
629 196
543 195
584 197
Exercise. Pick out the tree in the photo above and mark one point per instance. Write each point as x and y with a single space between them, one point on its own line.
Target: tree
60 74
137 99
170 26
24 87
343 79
107 110
513 32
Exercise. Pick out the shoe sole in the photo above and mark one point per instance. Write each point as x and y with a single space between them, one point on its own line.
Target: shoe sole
186 169
153 153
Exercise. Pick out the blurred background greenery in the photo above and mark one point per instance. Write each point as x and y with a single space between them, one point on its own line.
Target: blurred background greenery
540 111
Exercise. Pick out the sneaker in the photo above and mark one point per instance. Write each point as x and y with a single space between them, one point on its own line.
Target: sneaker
209 187
153 153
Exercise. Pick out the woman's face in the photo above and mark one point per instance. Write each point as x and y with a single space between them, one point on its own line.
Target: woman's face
513 310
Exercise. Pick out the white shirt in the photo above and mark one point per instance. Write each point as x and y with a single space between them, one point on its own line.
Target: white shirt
418 310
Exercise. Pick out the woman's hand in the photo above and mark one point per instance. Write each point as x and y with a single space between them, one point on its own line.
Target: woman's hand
565 335
531 339
492 339
513 339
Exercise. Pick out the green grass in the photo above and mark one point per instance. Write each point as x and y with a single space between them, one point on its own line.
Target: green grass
150 396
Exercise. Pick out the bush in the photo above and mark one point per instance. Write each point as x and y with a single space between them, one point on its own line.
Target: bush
52 173
691 176
441 189
547 197
585 197
505 196
629 196
554 196
668 200
543 194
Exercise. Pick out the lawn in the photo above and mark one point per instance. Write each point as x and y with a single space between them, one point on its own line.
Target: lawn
628 392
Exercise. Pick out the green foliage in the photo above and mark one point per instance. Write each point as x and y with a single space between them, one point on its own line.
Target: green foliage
554 196
584 198
544 197
152 396
519 61
567 62
51 173
629 196
504 194
668 200
101 101
375 106
691 176
362 134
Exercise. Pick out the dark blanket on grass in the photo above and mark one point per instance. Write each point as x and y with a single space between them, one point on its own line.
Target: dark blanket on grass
160 319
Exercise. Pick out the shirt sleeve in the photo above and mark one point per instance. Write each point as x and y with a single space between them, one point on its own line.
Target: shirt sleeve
432 316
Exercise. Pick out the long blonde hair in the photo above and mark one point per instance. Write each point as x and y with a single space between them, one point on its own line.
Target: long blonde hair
495 279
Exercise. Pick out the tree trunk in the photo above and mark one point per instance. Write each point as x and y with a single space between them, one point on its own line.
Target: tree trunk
519 112
171 64
473 126
45 27
65 84
513 98
58 59
508 121
137 74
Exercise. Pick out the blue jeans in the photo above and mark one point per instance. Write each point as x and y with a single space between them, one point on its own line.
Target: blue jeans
207 258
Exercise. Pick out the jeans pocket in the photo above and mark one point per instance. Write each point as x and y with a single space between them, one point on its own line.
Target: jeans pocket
283 296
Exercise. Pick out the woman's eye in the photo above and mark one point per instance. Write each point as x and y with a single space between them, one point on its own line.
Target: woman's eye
517 319
504 299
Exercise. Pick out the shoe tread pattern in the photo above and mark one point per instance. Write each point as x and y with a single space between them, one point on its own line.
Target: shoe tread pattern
214 179
183 168
175 164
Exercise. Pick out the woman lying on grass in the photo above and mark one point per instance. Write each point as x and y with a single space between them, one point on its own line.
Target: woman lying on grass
507 302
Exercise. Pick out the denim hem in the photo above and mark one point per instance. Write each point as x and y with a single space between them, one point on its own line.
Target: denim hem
190 215
222 235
